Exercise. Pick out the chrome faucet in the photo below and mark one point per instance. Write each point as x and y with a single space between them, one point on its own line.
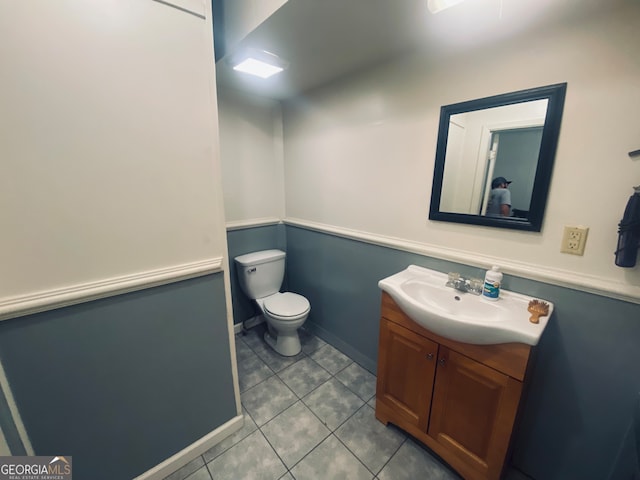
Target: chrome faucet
463 284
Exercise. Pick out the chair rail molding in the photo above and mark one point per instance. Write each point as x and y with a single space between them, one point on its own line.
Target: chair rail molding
251 223
41 301
562 278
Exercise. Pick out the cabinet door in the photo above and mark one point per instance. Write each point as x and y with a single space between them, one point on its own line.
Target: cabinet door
406 369
473 410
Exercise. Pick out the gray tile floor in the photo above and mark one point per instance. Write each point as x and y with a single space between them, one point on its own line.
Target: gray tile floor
310 417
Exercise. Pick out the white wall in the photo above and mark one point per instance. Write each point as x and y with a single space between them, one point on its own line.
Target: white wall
359 154
251 157
108 143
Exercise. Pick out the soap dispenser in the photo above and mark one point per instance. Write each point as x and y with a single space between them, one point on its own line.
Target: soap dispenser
492 282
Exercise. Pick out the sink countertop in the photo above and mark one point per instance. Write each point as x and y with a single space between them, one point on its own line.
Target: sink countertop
421 293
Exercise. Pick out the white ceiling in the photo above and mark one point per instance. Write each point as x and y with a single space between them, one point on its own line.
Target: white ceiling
327 39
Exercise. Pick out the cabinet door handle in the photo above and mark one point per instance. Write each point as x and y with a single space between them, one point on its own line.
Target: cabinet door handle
441 361
429 356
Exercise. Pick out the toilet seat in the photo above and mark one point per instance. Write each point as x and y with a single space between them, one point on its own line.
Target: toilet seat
286 306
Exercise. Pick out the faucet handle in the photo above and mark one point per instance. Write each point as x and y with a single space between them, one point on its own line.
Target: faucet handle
475 286
452 279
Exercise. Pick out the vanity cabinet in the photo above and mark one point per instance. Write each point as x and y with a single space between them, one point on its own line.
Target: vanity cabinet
460 400
407 369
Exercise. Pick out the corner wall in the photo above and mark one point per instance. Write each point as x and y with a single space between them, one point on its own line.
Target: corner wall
123 383
253 182
251 158
111 184
359 153
359 160
586 378
109 144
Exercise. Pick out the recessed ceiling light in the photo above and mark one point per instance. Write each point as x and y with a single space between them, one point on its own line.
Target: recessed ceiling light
436 6
257 67
257 62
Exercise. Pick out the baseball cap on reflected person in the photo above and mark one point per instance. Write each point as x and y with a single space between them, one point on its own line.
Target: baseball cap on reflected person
499 181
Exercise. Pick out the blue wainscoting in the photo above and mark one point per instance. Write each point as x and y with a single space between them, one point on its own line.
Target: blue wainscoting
587 371
125 382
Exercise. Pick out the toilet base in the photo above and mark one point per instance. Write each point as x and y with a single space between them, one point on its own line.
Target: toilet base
286 344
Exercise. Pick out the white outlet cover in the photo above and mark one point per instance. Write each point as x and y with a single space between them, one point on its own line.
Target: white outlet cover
574 239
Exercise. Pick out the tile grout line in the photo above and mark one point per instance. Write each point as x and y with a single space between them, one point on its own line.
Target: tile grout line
333 376
299 399
305 355
303 457
349 450
393 454
275 451
206 465
332 432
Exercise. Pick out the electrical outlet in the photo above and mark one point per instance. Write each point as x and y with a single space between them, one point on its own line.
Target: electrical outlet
574 239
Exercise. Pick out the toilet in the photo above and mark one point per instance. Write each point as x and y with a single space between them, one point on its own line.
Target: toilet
261 274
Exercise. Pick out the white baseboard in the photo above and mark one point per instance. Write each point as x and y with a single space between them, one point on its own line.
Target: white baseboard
14 413
180 459
247 324
4 447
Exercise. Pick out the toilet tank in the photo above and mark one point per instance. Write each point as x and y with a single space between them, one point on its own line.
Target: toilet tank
261 273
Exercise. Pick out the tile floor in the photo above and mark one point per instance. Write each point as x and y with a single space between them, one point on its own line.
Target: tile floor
309 417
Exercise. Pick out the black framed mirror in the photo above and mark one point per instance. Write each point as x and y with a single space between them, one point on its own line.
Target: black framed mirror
494 158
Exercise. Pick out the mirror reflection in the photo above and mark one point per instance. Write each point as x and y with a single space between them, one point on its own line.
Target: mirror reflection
494 158
487 144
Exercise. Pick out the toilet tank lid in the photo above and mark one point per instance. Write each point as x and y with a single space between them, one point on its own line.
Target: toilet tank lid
256 258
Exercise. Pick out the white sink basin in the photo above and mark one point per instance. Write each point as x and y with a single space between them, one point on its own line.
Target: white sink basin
421 294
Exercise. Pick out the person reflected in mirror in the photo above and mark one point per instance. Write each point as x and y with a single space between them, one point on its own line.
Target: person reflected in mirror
500 198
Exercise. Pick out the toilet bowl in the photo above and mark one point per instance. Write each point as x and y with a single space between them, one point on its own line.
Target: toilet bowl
284 313
261 274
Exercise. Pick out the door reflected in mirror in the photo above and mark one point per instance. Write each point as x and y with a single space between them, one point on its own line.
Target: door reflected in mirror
494 158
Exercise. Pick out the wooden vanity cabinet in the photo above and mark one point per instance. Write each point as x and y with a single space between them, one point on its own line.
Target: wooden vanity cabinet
459 399
407 369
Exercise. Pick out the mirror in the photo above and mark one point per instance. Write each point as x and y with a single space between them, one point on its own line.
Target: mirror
494 158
